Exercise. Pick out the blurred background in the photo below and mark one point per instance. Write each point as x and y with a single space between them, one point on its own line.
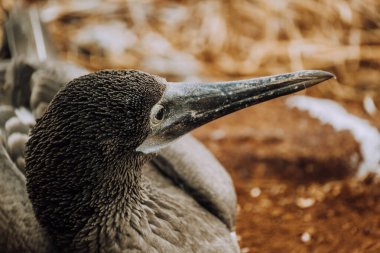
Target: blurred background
305 167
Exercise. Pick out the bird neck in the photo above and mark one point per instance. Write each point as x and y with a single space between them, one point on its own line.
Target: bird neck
115 198
117 183
86 191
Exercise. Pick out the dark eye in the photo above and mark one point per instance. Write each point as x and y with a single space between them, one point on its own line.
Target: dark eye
157 114
160 114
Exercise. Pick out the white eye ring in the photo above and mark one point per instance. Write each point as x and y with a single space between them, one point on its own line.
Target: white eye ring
157 114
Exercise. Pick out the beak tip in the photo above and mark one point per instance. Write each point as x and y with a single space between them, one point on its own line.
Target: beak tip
323 74
310 78
329 75
316 76
318 73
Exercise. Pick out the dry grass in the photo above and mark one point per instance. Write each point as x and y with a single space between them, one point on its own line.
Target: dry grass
225 39
229 39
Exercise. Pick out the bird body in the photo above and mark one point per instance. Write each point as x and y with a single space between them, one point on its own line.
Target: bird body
19 229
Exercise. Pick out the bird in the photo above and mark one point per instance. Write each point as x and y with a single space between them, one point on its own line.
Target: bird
109 166
85 160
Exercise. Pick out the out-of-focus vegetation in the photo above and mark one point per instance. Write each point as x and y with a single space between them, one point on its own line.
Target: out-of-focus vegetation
230 38
187 39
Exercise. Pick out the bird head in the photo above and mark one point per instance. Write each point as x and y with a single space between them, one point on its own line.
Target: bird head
129 110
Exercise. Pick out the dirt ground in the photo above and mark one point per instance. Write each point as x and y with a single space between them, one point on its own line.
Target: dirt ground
295 184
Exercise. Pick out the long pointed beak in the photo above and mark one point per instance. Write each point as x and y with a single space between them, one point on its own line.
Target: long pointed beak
186 106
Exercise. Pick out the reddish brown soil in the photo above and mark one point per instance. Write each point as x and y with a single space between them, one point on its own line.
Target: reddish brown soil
295 182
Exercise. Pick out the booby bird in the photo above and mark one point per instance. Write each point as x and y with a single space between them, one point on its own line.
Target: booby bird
86 155
87 166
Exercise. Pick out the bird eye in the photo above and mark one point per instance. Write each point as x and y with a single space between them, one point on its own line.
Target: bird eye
158 114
